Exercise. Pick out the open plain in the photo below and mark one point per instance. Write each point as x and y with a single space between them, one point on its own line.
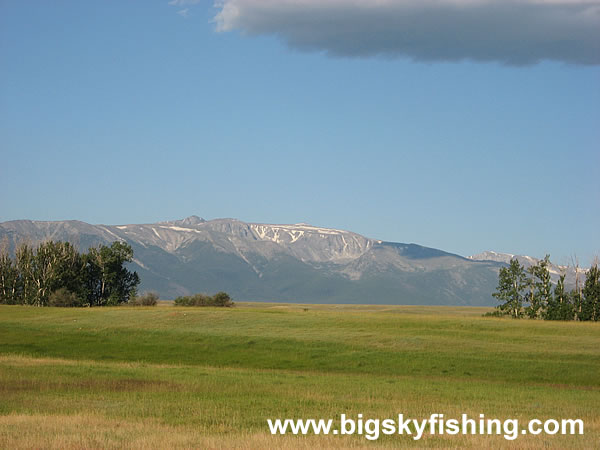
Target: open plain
179 377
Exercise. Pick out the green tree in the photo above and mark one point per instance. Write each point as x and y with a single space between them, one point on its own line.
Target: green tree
511 282
540 284
9 277
576 296
68 271
590 306
55 273
107 280
92 285
54 265
559 306
24 262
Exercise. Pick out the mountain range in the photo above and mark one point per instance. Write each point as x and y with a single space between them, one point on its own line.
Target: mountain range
287 263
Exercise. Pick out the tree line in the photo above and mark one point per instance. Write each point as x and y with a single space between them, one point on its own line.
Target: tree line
56 274
531 293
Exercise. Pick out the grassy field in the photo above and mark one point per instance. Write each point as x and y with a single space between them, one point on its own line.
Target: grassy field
168 377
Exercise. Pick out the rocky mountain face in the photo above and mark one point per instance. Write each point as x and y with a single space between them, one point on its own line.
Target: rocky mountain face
288 263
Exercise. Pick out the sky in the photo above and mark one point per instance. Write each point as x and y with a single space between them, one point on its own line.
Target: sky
464 125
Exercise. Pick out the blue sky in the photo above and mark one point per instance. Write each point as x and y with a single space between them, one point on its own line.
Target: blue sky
128 112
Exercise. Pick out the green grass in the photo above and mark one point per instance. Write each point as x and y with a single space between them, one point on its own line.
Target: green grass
211 377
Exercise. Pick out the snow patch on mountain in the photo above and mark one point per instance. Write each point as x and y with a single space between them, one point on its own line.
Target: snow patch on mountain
185 230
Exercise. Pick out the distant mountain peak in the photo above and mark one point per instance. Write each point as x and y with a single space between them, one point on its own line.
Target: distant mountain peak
190 221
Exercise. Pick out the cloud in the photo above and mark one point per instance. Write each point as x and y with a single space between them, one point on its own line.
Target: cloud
184 2
184 12
515 32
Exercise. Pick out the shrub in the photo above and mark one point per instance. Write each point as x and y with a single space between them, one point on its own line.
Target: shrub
221 299
182 301
201 300
193 300
495 313
146 299
63 298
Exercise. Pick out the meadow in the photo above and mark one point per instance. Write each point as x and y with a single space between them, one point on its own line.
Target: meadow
181 377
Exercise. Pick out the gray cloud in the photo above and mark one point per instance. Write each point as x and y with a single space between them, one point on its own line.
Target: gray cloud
514 32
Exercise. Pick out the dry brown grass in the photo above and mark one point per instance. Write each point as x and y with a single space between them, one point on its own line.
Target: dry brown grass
89 431
84 431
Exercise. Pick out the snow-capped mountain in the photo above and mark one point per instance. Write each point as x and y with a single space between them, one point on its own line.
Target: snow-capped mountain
293 262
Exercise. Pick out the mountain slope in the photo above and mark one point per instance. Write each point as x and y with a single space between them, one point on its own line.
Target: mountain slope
292 263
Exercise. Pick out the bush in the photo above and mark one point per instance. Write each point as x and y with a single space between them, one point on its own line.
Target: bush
63 298
146 299
495 313
183 301
221 299
193 300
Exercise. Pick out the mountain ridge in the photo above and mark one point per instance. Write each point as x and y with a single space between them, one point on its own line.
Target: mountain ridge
279 262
